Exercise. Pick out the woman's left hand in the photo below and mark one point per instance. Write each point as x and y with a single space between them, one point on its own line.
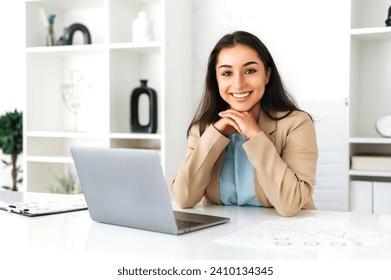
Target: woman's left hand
245 120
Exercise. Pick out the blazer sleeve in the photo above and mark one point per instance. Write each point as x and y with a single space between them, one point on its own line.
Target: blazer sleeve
194 175
286 177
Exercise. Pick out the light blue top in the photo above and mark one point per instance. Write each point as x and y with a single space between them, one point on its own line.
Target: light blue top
237 175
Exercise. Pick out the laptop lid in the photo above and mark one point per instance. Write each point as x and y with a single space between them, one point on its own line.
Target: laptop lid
126 187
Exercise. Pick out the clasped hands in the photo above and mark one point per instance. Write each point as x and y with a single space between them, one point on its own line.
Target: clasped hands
233 121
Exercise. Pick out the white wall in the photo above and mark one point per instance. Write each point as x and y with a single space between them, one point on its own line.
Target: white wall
308 39
179 75
11 66
12 56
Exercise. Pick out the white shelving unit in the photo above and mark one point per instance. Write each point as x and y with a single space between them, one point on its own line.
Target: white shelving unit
104 73
370 94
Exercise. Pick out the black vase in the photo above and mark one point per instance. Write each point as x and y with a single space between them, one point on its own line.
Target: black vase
388 20
151 126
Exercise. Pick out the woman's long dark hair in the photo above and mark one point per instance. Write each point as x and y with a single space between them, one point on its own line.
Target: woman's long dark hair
275 98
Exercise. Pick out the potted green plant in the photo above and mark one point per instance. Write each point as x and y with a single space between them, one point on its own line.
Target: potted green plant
66 184
11 143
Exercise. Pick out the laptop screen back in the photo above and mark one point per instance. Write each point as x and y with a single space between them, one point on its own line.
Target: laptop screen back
125 187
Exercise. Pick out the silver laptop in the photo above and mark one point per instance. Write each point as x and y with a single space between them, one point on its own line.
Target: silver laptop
126 187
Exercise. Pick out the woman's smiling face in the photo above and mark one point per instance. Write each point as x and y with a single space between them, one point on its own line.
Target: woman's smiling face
241 77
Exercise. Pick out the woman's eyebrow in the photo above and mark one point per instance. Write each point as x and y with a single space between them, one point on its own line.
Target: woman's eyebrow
250 62
230 66
225 66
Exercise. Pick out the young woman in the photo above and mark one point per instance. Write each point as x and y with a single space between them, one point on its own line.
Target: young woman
248 143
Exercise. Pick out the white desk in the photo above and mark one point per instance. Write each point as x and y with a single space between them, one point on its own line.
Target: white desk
76 232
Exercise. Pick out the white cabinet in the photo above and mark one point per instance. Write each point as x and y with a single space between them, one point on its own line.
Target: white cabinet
370 85
370 197
99 77
361 196
382 198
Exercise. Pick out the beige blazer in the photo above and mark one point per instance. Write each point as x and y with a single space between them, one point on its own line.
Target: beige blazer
284 155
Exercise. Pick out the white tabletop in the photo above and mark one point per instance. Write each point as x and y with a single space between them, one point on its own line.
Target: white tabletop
246 236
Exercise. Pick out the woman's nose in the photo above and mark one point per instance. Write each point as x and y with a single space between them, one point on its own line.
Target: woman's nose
239 82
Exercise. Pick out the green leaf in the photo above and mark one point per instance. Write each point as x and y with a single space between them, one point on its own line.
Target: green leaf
11 132
11 137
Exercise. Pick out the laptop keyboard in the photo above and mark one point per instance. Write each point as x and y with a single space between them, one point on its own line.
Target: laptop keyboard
182 224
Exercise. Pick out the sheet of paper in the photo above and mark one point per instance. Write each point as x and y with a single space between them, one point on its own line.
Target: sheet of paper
304 234
45 207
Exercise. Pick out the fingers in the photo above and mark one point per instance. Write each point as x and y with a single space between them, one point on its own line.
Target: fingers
245 121
242 119
236 115
234 125
227 126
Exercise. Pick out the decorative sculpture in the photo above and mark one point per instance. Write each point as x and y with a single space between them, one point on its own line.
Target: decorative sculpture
67 38
383 126
76 94
50 40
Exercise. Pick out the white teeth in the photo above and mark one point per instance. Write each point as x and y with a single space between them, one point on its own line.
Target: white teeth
241 95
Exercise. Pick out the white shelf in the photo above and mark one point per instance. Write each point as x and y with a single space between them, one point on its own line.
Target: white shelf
148 47
52 159
369 140
68 4
369 98
111 67
66 49
64 134
137 136
371 34
370 173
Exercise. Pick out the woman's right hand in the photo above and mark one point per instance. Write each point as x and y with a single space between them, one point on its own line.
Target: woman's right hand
227 126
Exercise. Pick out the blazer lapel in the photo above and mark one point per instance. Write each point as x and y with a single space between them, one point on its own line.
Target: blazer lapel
268 126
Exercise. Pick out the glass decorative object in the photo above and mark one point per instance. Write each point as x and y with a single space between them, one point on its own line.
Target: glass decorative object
76 95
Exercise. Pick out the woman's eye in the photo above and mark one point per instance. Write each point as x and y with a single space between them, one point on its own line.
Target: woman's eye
250 71
226 73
